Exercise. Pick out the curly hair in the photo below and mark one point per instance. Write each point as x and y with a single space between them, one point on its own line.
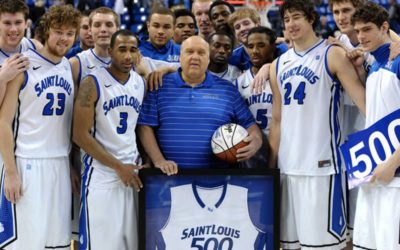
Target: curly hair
304 6
61 16
14 6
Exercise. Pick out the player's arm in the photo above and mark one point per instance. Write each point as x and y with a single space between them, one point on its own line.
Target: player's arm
12 183
340 65
154 79
385 171
84 109
76 67
150 145
258 83
10 68
275 127
255 141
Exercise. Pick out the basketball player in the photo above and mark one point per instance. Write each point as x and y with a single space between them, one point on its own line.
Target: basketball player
200 9
103 23
185 25
13 17
377 217
85 37
105 115
219 13
197 104
306 84
36 150
221 45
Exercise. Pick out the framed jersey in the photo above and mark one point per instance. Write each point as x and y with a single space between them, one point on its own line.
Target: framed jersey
207 209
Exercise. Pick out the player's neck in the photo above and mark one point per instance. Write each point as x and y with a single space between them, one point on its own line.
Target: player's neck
353 38
84 47
305 43
121 77
101 51
254 70
9 49
45 52
217 68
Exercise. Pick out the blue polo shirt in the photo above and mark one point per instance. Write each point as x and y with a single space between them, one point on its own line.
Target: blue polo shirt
185 118
241 59
169 53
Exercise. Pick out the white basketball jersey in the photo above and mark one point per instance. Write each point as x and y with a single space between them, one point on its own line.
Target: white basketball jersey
43 121
25 45
117 111
230 74
153 64
369 59
310 133
210 218
89 62
259 105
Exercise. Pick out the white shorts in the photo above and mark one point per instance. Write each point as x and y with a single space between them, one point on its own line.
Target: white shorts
377 219
108 216
42 217
312 212
352 205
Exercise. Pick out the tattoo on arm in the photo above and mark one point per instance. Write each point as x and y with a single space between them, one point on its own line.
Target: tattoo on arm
86 93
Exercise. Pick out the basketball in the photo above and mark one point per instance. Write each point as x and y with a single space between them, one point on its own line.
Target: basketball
226 140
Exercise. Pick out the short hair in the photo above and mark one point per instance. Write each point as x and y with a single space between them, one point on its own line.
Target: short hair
263 30
104 10
243 13
60 16
201 1
13 7
86 13
222 33
370 12
355 3
184 12
221 2
122 32
162 11
304 6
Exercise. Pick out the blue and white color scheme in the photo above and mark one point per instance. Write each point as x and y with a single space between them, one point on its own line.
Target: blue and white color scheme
309 114
260 105
25 45
230 74
153 64
201 217
89 61
169 53
186 117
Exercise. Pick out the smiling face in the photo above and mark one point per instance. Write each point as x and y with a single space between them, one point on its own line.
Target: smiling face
297 25
12 29
160 29
342 13
242 28
60 40
194 57
102 27
370 35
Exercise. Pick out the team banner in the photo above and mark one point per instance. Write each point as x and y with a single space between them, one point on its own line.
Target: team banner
367 148
207 209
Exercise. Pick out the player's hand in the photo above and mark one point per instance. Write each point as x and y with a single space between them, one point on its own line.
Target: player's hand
394 50
251 149
356 56
128 175
13 66
140 66
334 41
75 180
13 187
167 167
258 83
383 173
154 79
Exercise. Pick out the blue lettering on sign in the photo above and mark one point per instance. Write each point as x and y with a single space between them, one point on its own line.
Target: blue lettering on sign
367 148
123 100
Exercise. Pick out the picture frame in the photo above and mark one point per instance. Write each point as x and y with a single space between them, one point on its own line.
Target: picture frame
209 209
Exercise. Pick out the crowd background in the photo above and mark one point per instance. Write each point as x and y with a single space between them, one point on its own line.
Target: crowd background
134 13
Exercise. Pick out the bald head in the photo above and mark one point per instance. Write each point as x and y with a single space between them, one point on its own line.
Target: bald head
195 57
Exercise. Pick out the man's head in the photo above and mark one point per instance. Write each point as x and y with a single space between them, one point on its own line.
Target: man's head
123 50
221 46
85 36
260 46
371 22
13 16
219 13
200 9
299 17
194 57
103 23
160 26
342 11
185 25
242 21
61 24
